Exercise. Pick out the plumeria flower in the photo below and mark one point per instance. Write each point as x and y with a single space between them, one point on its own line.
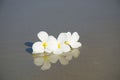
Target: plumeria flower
72 40
49 49
45 60
57 45
42 45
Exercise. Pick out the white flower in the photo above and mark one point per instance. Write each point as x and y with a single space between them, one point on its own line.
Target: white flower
49 49
45 60
72 40
57 45
43 45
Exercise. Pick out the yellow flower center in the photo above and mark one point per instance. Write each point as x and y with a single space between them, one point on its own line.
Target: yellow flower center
59 46
66 42
44 44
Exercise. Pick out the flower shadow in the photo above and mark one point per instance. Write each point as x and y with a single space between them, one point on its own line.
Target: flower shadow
28 44
29 50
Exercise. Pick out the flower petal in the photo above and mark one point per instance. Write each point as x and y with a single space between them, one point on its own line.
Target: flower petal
75 44
58 51
43 36
52 43
62 37
46 65
75 36
65 48
48 50
37 48
69 36
38 61
53 58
